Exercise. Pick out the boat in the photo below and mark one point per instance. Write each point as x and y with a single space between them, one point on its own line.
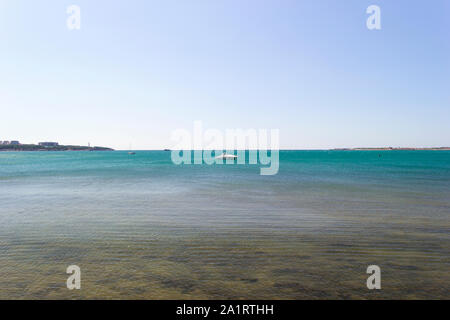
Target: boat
226 156
131 152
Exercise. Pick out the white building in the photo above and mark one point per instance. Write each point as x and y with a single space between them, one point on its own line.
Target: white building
48 144
12 142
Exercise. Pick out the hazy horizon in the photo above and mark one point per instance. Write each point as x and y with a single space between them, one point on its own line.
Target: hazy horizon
281 149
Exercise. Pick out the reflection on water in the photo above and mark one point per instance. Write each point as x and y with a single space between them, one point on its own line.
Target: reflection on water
143 228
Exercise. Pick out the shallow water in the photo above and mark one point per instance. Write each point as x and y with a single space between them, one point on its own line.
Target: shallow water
141 227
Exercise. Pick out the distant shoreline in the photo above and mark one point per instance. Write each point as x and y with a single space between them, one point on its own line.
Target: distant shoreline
59 148
389 149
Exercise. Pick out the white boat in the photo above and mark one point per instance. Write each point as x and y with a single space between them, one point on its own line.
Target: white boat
226 156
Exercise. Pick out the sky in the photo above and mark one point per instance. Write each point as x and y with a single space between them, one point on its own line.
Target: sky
138 70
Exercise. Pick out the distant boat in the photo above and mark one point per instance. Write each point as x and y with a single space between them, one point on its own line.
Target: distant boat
131 152
166 149
226 156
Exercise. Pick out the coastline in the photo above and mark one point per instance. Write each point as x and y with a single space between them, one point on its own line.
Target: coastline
59 148
391 149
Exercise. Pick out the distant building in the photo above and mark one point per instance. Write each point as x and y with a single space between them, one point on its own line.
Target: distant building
14 142
5 142
48 144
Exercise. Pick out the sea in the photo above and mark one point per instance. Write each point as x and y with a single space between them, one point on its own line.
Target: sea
141 227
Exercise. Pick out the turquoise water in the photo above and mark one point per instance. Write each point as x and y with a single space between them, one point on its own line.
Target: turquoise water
141 227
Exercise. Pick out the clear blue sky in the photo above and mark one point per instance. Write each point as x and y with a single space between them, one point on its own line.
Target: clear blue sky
139 69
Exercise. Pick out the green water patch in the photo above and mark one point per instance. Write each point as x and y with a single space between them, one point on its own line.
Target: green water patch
216 267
